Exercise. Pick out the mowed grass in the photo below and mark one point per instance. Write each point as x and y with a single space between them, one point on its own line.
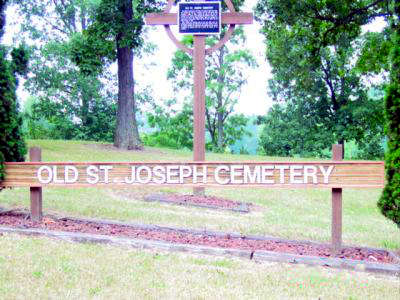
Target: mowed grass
295 214
40 268
46 268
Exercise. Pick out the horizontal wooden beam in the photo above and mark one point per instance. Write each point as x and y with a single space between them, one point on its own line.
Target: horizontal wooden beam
172 18
237 18
324 174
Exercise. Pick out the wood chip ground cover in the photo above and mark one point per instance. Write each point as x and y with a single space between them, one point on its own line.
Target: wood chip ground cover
19 220
202 201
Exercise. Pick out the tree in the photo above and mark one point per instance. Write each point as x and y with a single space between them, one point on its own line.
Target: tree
70 99
173 128
293 128
389 202
290 129
12 145
224 80
323 23
116 31
336 105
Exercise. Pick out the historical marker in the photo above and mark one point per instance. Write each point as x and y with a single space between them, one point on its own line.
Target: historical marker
200 18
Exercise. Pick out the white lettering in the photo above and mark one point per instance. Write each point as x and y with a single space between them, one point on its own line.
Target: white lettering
74 177
183 174
235 172
218 178
196 174
187 173
310 171
282 172
133 176
105 169
266 172
55 176
248 176
172 171
294 172
139 177
39 174
326 173
159 173
92 171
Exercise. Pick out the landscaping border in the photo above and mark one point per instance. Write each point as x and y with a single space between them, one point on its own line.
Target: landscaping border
257 255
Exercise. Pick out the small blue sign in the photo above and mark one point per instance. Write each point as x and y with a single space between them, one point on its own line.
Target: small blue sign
199 17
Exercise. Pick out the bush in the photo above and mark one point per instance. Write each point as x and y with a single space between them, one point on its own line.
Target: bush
12 145
173 130
44 119
389 202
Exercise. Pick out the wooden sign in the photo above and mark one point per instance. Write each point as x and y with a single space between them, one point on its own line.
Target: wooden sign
335 174
322 174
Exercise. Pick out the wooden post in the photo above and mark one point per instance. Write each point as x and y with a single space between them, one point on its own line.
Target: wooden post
35 154
199 104
337 154
198 52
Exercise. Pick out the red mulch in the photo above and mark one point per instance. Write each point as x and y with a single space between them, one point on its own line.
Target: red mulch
14 219
210 201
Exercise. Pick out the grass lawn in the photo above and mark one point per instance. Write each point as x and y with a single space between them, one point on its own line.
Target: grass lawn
40 268
50 269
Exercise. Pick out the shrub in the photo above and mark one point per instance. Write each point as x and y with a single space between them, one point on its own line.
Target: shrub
12 145
389 202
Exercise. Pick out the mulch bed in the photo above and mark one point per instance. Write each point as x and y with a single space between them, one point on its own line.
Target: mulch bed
202 201
19 220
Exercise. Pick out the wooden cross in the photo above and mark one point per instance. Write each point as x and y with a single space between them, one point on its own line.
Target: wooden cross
198 53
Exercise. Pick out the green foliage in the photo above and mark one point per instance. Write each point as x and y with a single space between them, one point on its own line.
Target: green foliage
12 145
116 30
20 59
389 202
224 80
71 102
234 130
326 98
375 50
90 53
173 129
109 30
323 23
45 119
248 143
290 131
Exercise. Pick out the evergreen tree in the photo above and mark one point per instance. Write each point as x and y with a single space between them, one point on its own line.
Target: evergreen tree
389 203
12 145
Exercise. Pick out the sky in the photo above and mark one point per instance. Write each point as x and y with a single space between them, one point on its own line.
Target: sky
254 99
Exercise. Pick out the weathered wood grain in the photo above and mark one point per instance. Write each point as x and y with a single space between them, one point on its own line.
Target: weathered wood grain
351 174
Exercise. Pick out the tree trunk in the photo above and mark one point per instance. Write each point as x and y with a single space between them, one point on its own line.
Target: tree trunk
126 133
220 129
220 113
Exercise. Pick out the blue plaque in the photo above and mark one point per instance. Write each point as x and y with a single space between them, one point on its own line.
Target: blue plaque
199 17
